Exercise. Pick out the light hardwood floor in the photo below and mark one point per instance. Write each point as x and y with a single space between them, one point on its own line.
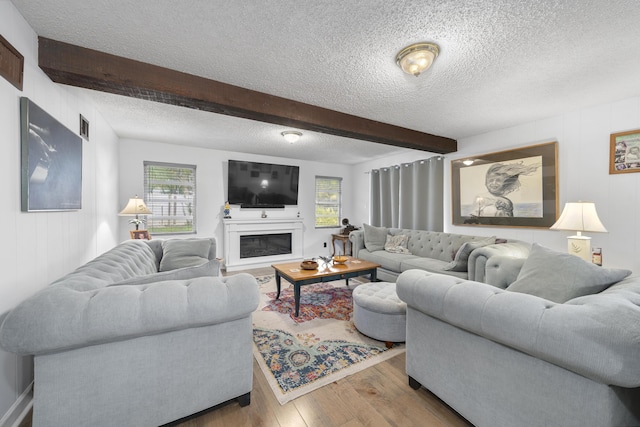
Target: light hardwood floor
378 396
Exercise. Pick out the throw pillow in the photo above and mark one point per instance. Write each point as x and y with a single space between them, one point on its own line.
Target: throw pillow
211 268
461 259
560 277
397 244
374 237
179 253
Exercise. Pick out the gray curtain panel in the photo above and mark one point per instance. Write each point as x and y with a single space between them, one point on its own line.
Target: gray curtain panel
409 195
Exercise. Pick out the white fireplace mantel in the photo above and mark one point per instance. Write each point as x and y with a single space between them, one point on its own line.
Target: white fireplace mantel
234 228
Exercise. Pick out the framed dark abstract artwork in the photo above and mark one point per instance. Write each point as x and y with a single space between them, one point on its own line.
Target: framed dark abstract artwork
51 162
513 188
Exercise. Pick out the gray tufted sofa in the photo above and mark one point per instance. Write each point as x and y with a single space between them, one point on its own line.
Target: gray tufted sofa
117 343
432 251
502 358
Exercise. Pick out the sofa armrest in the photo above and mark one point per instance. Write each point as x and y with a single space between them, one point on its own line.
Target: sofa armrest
595 336
478 258
211 268
58 318
501 271
357 241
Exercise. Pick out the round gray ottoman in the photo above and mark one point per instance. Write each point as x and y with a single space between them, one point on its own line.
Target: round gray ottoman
379 313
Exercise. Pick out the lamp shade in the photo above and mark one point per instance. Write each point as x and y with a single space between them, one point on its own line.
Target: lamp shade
135 206
579 216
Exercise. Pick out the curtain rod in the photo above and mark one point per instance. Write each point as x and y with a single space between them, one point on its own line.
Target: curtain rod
405 164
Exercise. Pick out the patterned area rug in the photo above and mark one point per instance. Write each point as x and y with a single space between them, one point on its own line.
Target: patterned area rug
317 301
320 346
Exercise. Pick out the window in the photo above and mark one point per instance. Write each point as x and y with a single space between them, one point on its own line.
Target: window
170 193
328 201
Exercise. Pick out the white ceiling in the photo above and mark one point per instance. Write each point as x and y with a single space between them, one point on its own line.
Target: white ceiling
502 63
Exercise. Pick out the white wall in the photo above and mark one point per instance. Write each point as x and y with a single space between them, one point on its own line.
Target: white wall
37 248
583 174
211 182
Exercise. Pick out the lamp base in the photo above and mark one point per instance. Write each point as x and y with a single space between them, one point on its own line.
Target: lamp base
580 246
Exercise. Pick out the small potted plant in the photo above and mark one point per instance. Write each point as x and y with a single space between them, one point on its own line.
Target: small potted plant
137 221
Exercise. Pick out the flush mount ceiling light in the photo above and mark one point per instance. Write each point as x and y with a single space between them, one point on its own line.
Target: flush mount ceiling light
291 136
417 58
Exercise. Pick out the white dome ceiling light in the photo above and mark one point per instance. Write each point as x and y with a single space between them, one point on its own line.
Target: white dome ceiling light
417 58
291 136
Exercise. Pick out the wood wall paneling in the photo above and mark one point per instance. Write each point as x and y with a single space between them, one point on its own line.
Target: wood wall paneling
11 63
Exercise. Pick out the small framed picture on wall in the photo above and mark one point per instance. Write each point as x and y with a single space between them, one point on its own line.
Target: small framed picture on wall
140 234
624 152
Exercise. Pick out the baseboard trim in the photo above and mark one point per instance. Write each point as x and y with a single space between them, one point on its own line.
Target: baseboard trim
24 413
19 410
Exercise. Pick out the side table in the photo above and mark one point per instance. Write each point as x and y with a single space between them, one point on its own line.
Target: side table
344 238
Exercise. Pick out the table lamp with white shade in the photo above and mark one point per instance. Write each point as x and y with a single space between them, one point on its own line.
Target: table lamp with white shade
579 217
135 207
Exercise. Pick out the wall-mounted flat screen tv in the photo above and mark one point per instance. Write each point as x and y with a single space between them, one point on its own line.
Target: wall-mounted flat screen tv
262 185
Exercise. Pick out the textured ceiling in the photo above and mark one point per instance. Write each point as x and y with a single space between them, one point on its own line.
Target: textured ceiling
501 63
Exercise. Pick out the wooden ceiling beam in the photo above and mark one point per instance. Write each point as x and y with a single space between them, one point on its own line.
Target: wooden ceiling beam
77 66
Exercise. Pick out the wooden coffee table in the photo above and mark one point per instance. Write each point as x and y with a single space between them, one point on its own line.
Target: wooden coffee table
298 277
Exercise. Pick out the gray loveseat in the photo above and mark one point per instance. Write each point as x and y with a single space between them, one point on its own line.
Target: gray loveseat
458 255
118 343
509 358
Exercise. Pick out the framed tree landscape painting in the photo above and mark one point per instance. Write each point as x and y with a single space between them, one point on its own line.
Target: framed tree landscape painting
512 188
51 162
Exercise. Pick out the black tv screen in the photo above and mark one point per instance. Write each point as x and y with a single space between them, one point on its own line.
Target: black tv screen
51 162
262 185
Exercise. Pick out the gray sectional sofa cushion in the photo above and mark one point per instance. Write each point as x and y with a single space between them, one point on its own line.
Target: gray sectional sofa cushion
560 276
374 237
438 252
180 253
534 362
461 259
120 348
